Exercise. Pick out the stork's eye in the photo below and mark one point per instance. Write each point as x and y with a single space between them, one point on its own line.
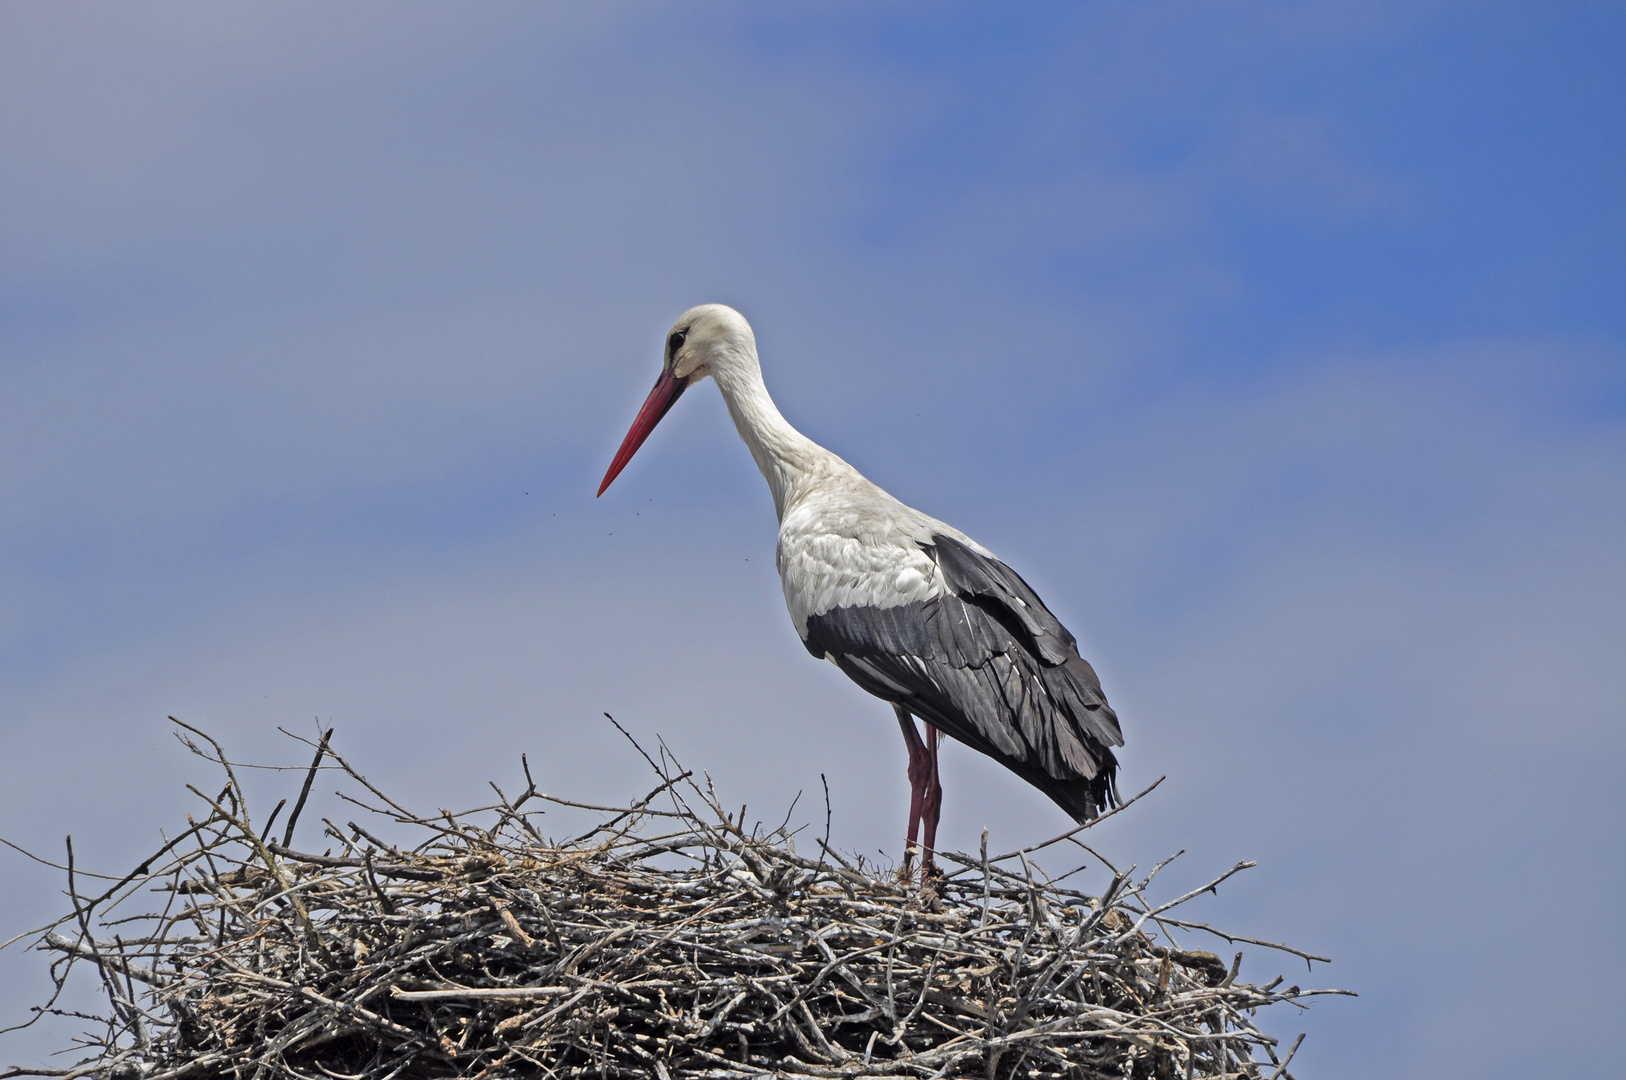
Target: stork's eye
675 342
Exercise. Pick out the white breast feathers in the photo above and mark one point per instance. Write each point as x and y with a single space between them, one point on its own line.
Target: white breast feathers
856 548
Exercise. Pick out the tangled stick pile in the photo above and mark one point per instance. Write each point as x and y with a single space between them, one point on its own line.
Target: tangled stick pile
666 942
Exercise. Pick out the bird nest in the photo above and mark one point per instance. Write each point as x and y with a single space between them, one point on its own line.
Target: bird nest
668 940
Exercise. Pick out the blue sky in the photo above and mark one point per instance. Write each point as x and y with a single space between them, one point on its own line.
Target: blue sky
1280 346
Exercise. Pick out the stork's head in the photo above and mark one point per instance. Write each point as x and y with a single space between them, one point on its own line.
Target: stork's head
712 339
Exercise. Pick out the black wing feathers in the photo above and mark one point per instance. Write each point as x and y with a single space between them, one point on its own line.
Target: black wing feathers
1001 592
989 665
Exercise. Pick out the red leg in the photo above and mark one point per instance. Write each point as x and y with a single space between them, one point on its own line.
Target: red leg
920 776
931 804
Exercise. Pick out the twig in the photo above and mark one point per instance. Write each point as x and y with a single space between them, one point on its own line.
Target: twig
305 789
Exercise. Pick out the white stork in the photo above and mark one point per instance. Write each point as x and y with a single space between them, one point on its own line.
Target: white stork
912 610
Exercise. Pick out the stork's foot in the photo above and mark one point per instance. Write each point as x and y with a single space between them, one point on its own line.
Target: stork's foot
929 871
925 882
931 882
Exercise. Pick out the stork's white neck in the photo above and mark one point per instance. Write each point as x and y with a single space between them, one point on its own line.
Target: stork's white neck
789 460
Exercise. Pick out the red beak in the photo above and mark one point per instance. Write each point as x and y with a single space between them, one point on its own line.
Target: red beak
660 401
